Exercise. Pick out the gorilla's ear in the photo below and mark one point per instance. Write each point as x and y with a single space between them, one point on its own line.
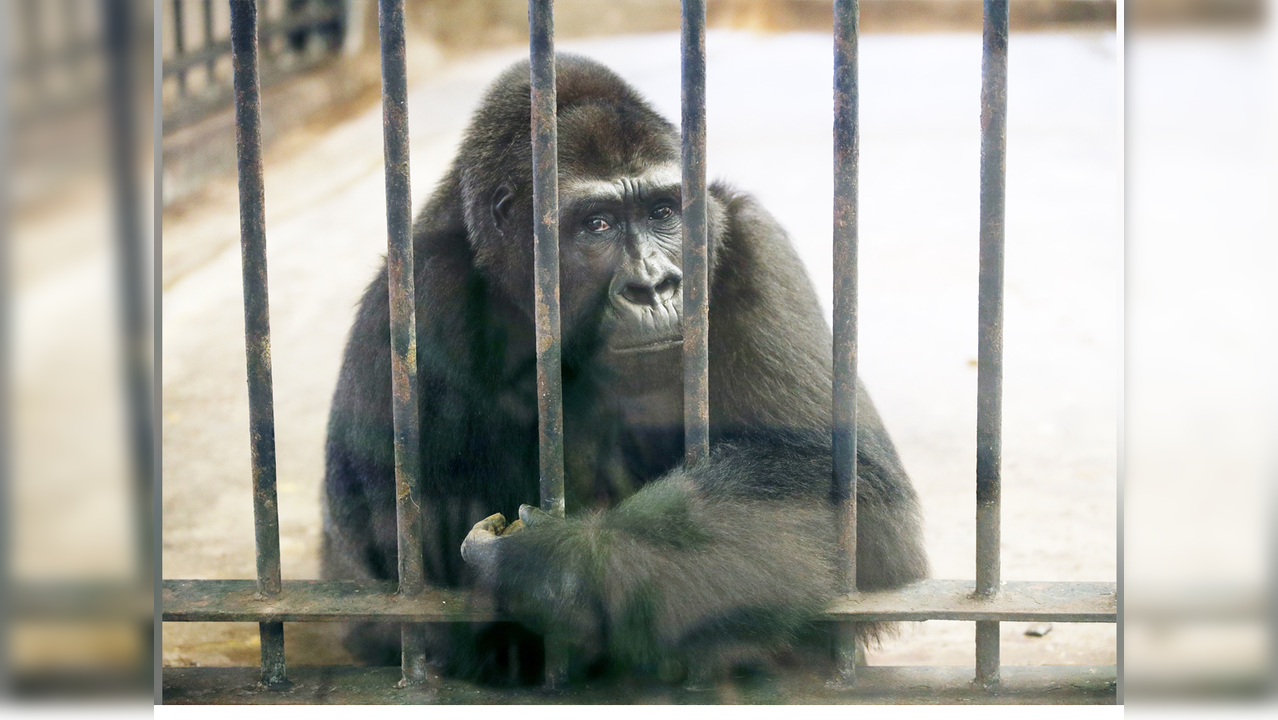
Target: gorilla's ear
503 200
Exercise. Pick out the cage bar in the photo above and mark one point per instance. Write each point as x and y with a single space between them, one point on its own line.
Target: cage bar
403 330
545 166
989 359
118 38
696 260
846 158
257 325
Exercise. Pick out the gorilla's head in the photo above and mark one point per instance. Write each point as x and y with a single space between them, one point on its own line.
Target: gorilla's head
620 223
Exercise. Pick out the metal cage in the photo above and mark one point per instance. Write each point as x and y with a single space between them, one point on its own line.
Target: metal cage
271 601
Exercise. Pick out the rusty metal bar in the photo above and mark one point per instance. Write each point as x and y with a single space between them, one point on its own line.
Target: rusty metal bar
545 167
403 329
358 601
257 324
545 159
846 158
696 259
1031 685
989 359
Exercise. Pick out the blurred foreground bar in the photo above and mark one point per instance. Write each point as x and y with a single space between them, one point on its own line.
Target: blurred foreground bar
79 600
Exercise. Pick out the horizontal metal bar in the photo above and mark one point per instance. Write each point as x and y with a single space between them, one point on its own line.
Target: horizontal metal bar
105 600
317 601
1051 684
308 601
957 600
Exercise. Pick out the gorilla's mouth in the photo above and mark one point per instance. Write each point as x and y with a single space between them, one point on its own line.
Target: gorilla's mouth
648 347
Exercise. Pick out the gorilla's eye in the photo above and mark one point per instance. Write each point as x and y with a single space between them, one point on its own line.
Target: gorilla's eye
596 224
662 212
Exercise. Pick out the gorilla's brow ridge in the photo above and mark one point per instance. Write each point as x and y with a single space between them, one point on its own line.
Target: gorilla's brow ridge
660 183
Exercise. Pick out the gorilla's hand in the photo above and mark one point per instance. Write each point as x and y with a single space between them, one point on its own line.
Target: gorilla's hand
480 548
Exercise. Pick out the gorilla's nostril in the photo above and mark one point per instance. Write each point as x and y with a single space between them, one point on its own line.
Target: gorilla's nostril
639 294
667 288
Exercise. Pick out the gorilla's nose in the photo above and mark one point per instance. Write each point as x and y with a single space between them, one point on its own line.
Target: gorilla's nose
651 293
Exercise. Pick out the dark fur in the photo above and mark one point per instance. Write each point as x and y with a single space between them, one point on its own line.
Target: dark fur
658 563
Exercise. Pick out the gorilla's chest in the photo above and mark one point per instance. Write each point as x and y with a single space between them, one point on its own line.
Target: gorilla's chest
613 448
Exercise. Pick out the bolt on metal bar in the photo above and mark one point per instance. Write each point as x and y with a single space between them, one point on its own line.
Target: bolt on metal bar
545 159
696 259
179 42
403 329
257 324
846 158
989 379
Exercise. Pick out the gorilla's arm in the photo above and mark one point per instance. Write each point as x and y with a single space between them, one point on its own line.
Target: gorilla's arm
737 552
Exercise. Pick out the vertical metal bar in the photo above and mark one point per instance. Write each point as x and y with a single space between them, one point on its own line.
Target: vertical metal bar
696 262
157 345
545 157
7 516
257 324
211 65
117 18
179 42
989 379
846 157
403 329
545 166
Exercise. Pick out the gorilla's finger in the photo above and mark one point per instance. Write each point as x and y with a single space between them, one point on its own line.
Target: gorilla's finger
532 516
495 524
513 528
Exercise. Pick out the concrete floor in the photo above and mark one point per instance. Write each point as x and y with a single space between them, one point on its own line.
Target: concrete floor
769 110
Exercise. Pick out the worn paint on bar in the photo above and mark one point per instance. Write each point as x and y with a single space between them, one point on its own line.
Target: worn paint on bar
989 358
846 158
257 323
696 258
545 161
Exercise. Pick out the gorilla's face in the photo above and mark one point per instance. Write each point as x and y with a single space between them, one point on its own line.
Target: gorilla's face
620 237
620 257
620 254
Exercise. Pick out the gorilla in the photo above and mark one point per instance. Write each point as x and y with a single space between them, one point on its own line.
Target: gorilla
660 567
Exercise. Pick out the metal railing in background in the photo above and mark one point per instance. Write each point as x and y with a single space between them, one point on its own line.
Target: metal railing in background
986 601
293 36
